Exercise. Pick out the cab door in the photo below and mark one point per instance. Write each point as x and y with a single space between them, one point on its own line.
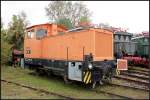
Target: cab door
74 71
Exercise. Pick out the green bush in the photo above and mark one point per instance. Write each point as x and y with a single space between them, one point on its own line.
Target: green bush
5 48
5 52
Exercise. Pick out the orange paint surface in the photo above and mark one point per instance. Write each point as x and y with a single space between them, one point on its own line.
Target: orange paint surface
96 41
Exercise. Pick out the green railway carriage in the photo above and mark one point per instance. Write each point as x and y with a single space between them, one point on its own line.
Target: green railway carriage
142 45
122 41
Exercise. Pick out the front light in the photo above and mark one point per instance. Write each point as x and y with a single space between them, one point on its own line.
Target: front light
90 66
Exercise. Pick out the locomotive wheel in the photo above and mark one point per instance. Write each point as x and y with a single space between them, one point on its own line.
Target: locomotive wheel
110 80
93 85
66 79
100 82
110 77
39 72
49 73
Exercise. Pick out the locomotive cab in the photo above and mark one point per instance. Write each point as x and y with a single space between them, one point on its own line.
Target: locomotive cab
35 35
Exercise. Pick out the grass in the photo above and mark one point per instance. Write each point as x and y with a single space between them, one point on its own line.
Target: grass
56 84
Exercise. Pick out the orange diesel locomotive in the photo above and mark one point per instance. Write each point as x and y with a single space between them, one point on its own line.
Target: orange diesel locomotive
81 54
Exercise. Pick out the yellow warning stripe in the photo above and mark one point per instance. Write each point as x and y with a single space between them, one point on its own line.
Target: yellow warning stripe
86 75
90 81
89 77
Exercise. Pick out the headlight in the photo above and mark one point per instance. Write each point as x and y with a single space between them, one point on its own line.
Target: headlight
90 66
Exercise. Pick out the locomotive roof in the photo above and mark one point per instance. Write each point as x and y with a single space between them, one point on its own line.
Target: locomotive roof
61 26
86 28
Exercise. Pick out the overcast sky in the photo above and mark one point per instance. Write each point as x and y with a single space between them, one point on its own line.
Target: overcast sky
126 14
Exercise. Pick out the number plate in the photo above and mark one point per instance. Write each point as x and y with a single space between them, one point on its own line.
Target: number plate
122 64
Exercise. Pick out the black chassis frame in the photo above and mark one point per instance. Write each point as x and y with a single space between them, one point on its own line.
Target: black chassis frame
60 67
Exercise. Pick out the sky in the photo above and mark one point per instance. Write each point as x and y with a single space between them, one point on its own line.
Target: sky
131 15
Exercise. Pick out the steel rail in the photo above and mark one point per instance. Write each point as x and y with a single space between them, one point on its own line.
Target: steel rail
132 79
142 70
135 75
40 90
112 94
60 95
138 72
129 86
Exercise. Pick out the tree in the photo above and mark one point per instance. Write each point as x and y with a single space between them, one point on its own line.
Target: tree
16 30
5 47
84 21
67 10
5 51
3 32
66 22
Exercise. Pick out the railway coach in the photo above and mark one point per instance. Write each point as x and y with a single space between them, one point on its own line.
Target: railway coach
81 54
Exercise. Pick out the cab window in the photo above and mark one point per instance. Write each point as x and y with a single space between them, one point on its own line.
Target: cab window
30 34
40 33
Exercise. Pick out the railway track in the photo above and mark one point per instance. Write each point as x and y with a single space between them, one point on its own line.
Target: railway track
139 69
130 85
136 75
136 78
133 79
40 90
112 94
138 72
63 96
124 86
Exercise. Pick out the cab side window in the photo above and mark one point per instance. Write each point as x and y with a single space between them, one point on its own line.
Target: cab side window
30 34
40 33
